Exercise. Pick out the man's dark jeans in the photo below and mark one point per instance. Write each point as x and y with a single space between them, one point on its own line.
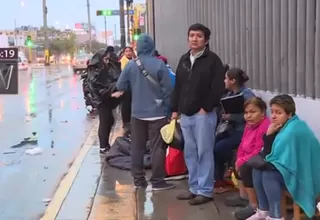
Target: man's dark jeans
126 111
141 132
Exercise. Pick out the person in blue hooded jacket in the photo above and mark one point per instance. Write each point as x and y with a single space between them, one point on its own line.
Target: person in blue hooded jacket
150 102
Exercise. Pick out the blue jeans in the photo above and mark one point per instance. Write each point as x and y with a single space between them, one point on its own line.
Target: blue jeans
269 185
198 132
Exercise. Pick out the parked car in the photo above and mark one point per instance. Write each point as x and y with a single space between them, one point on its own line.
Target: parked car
79 62
23 63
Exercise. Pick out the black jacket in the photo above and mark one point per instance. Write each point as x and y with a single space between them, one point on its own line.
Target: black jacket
101 78
199 86
267 148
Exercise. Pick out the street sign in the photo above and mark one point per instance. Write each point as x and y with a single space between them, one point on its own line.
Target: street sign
113 12
9 71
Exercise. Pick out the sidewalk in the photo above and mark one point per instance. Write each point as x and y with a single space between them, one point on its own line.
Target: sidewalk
100 192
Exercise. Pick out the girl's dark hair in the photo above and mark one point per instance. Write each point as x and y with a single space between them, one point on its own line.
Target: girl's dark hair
238 75
256 101
200 27
286 102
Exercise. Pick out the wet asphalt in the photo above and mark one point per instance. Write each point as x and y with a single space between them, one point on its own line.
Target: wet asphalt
49 115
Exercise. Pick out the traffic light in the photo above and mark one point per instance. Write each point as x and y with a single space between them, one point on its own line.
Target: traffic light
104 12
29 41
136 33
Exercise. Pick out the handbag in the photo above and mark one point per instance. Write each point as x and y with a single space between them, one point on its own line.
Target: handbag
257 162
223 127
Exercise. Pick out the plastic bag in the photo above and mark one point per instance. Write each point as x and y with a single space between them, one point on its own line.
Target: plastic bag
178 141
167 132
172 135
175 164
234 180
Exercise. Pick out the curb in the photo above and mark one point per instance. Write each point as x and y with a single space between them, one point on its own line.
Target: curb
65 185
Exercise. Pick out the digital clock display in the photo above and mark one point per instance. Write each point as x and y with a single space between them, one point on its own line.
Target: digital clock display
9 53
9 77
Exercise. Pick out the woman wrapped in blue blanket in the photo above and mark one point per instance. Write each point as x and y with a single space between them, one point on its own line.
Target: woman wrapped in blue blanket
289 161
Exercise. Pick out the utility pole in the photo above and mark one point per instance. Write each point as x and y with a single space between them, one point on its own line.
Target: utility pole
45 33
15 34
105 29
122 25
89 26
115 32
128 21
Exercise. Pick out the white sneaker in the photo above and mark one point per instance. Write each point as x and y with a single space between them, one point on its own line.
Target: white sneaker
89 108
269 218
260 215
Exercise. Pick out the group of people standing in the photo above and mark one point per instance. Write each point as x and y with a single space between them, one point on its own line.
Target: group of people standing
269 155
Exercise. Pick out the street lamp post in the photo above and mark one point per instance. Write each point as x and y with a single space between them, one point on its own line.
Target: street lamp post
89 24
128 21
105 29
122 24
45 33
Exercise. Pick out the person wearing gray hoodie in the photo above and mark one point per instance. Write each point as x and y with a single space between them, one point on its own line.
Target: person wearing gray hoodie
150 103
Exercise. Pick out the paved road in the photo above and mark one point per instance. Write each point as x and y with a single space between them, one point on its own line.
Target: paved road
50 105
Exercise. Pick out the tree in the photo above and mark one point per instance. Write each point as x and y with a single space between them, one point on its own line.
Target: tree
97 46
63 46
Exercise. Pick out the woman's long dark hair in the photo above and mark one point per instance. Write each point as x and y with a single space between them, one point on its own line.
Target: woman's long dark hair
238 75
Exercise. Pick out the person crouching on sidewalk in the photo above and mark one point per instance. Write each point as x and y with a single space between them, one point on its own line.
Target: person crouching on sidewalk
150 101
197 92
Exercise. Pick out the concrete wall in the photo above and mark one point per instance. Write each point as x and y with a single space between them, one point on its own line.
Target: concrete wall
276 41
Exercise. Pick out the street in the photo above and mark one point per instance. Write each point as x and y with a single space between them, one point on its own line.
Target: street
49 116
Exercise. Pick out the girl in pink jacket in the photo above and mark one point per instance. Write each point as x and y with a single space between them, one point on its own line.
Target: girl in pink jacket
251 144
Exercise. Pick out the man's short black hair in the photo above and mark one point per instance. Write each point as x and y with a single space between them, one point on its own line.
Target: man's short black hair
200 27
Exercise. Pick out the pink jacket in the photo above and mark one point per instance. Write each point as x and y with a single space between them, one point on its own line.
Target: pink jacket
252 141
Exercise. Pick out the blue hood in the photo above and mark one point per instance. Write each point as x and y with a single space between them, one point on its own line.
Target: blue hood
145 45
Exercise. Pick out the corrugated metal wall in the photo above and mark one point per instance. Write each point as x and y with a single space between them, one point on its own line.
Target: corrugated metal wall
276 41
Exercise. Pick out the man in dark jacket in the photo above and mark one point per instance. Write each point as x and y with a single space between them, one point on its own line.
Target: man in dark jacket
150 101
197 92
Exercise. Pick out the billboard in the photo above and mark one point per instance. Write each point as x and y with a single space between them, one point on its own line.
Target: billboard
103 34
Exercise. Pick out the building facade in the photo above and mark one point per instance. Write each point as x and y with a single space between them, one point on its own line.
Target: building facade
277 42
10 38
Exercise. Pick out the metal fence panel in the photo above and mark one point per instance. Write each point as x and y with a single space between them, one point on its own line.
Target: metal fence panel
317 52
277 42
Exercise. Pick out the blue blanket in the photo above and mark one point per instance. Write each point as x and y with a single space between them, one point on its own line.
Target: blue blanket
295 153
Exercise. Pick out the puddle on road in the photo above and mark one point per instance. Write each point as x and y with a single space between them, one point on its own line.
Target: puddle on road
148 204
9 163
